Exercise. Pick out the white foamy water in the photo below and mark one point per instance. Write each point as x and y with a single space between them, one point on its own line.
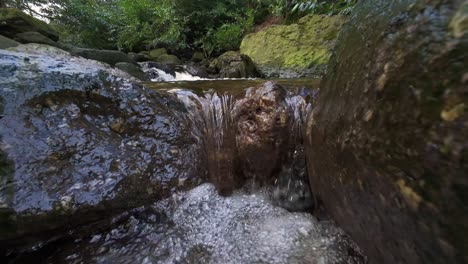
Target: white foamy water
199 226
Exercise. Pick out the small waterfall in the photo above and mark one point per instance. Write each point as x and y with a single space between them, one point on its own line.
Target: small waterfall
216 125
291 187
211 115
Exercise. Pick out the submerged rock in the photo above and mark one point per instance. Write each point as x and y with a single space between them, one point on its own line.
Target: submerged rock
200 226
297 50
79 142
387 142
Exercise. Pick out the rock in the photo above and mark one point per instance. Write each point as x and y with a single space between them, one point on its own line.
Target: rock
296 50
196 70
154 54
167 68
80 142
110 57
7 43
233 65
138 57
34 37
262 128
131 69
13 21
387 143
168 59
198 57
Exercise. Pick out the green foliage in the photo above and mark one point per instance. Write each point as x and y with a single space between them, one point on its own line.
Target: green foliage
342 7
213 26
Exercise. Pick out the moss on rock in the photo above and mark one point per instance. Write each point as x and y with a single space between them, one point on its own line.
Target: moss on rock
297 50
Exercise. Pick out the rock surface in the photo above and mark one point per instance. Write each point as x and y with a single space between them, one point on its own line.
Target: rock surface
168 59
79 142
297 50
132 69
233 65
13 21
387 143
110 57
7 42
35 37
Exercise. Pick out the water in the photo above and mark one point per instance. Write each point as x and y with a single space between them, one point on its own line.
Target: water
237 217
199 226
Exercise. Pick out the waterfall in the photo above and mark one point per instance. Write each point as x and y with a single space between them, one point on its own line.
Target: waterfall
216 126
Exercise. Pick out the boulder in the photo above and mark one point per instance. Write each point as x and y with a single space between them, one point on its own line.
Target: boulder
138 57
80 142
131 69
7 42
196 70
110 57
168 59
167 68
198 57
387 142
34 37
13 21
234 65
154 54
296 50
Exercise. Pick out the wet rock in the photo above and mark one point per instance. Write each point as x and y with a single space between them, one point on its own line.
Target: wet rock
387 144
262 127
13 21
133 70
200 226
167 68
110 57
7 43
196 70
79 142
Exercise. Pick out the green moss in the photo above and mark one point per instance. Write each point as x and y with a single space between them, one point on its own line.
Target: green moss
304 45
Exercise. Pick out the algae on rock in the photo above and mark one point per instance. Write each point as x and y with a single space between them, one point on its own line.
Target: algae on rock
296 50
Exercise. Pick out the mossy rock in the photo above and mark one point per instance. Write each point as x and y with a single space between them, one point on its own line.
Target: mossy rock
297 50
13 21
198 57
110 57
154 54
168 59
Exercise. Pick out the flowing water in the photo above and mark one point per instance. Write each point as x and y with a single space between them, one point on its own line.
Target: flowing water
221 221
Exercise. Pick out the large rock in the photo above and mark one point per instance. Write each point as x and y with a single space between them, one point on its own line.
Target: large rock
80 142
387 143
34 37
7 42
132 69
168 59
297 50
13 21
154 54
110 57
232 64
